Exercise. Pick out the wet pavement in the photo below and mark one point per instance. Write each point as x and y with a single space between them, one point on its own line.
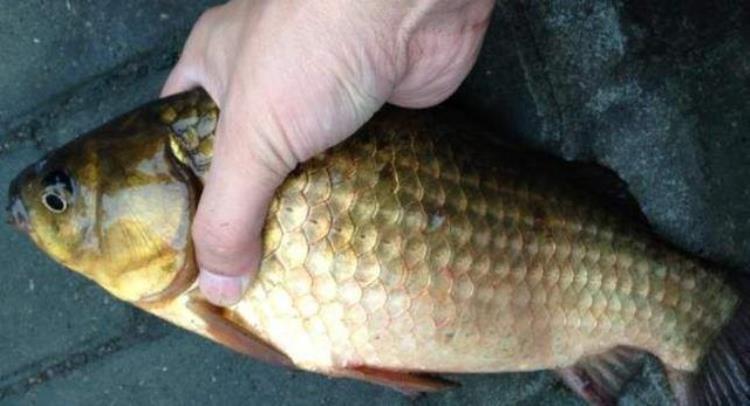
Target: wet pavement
675 129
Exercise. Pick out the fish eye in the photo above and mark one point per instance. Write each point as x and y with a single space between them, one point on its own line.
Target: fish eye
58 188
54 202
58 179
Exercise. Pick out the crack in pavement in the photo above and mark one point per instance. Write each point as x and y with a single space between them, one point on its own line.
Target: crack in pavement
142 328
32 126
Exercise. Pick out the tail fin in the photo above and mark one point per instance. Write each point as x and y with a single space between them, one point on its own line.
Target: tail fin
724 374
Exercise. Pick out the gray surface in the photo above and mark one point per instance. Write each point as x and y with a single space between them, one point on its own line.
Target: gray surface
659 93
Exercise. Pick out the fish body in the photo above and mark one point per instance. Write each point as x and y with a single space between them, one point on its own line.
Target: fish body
398 250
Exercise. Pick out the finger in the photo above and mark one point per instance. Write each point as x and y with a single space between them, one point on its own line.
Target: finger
231 214
179 80
187 73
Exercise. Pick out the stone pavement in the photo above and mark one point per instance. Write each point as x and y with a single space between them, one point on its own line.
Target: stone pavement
664 101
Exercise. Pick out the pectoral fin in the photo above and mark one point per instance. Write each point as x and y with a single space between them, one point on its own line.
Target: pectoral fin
234 336
410 384
598 379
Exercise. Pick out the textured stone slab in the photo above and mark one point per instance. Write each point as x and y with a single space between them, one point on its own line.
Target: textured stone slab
183 369
51 46
657 92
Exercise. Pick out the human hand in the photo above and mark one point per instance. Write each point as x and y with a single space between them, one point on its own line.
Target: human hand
294 78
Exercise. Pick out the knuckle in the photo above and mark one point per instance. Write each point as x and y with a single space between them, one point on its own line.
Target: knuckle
207 16
202 28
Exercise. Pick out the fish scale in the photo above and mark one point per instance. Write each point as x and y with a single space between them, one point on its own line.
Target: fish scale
414 246
396 250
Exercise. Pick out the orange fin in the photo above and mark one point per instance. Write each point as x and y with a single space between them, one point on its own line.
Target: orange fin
234 336
408 383
598 379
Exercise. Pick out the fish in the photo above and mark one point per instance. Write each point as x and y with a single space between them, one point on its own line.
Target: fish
410 250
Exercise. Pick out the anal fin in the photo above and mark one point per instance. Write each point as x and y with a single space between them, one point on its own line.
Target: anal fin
599 379
234 336
408 383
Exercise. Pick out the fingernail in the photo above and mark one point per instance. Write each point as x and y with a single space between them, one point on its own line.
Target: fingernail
222 290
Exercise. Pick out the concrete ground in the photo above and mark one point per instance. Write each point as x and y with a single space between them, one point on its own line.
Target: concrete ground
659 93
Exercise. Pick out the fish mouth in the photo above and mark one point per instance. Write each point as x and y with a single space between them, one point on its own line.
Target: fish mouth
16 214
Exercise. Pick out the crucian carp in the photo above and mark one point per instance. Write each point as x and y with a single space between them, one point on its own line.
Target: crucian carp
395 256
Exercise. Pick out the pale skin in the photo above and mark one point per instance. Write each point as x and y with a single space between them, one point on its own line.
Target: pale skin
294 78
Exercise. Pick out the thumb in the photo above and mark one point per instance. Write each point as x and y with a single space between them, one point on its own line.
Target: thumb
231 213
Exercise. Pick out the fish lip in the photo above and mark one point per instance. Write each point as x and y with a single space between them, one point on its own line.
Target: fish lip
16 213
17 216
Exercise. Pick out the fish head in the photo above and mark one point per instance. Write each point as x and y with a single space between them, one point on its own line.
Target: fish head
114 205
